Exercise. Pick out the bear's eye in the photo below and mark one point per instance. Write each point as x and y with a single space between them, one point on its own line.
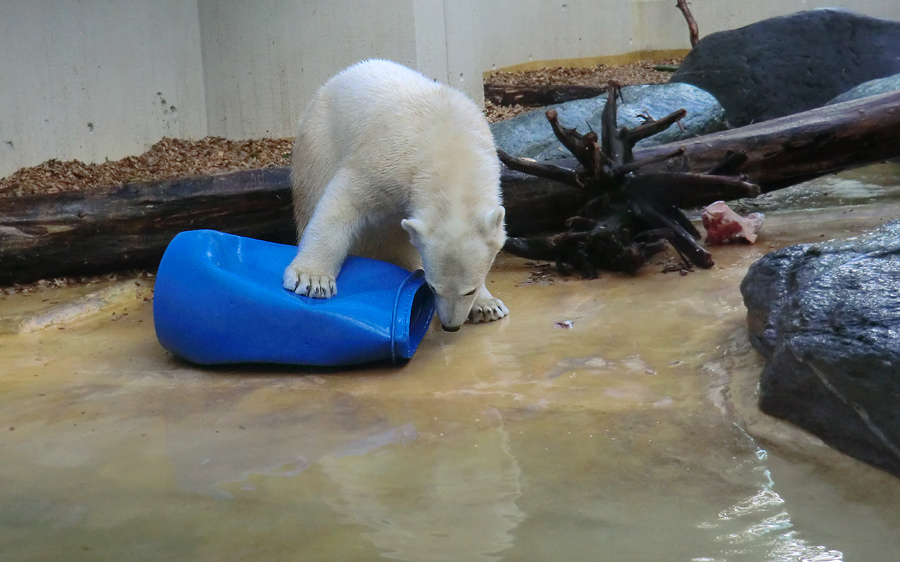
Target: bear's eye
470 293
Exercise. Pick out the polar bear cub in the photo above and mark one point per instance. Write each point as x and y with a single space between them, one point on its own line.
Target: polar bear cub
391 165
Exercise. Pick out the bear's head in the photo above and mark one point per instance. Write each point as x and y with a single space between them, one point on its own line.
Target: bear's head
456 256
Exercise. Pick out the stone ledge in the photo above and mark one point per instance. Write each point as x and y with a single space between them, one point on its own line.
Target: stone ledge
112 299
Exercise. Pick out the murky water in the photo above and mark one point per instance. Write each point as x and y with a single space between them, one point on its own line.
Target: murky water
630 436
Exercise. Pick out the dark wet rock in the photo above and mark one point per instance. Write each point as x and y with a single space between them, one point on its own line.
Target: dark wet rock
826 317
530 136
870 88
793 63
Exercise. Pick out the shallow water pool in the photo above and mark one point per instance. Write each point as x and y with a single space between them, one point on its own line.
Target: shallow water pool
610 419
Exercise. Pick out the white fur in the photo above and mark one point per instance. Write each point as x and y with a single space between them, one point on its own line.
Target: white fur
382 150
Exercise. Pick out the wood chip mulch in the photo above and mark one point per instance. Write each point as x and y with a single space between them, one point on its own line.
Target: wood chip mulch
627 74
169 158
636 73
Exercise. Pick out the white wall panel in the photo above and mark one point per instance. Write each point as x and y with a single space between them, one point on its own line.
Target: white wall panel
718 15
264 59
96 79
517 32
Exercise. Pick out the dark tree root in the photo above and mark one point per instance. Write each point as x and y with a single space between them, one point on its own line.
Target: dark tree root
630 216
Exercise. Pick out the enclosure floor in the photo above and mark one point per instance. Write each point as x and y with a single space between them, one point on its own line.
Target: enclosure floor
632 435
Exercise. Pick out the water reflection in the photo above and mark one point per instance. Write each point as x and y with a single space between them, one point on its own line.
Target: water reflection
758 526
761 525
460 505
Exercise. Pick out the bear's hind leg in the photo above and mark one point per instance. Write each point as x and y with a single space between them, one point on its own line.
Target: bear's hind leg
487 308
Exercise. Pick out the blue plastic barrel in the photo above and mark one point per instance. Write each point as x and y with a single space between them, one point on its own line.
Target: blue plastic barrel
218 299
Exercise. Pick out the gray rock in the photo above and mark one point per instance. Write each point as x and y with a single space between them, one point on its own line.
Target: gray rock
827 319
793 63
870 88
530 136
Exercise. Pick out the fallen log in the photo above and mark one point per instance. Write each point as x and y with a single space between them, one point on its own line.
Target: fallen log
796 148
779 153
129 226
539 94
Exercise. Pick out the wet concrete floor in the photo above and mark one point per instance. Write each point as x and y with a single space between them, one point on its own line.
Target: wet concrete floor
631 435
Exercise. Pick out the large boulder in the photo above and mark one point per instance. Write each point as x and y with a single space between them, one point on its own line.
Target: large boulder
793 63
826 317
529 135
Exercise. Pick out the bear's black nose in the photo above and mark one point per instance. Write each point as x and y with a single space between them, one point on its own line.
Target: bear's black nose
449 328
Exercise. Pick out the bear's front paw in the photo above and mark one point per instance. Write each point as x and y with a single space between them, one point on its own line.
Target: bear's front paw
309 284
487 309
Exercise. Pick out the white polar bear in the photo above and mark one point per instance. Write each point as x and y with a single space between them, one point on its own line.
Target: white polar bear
391 165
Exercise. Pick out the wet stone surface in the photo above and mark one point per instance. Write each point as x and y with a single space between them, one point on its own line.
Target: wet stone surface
827 318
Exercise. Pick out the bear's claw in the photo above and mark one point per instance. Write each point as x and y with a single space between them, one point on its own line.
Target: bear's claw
310 285
487 310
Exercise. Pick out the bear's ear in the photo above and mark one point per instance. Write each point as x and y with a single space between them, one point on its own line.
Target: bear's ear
493 221
416 230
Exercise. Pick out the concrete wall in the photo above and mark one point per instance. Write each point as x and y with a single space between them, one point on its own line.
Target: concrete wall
718 15
264 58
96 79
102 79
